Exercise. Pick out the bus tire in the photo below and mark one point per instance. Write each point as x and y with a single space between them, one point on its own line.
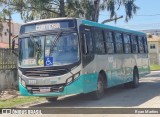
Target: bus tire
99 93
135 82
51 99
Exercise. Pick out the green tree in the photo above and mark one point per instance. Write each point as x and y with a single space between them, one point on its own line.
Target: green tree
113 5
1 17
36 9
81 8
88 9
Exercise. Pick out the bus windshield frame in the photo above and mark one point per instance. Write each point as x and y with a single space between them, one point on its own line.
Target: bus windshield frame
43 44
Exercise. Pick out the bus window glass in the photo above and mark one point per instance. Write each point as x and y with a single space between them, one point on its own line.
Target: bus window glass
127 43
145 45
65 51
89 42
30 50
99 42
141 44
134 44
34 50
109 42
119 43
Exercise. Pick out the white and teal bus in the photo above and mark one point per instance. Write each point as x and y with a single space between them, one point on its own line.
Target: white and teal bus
64 56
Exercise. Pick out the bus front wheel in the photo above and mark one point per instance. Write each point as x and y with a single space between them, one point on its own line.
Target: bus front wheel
51 99
99 93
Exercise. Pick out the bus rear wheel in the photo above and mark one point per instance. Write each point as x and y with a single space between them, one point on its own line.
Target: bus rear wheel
135 81
99 93
51 99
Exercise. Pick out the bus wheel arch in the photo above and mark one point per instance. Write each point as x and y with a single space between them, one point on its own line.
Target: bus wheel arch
102 72
101 85
135 79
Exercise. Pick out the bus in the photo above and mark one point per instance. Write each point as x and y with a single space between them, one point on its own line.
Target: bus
66 56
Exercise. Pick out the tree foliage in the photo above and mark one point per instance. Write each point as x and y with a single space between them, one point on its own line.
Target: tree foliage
113 5
35 9
1 16
80 8
88 9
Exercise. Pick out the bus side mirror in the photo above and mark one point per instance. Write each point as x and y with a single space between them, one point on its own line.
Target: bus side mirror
13 46
84 44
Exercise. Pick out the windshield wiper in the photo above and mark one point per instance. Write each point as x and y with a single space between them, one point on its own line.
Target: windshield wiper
35 44
56 38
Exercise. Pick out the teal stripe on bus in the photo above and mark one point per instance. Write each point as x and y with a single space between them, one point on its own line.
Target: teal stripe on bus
86 83
83 84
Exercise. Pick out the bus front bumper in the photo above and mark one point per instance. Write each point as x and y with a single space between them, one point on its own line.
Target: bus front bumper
82 84
76 87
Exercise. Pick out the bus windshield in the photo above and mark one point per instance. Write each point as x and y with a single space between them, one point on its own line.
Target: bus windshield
49 50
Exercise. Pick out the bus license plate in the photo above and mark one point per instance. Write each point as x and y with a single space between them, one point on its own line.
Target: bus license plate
44 89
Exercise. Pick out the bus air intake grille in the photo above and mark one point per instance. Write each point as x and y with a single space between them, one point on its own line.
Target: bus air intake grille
45 73
45 89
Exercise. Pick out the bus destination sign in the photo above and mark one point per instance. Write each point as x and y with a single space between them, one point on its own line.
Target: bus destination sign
50 26
45 26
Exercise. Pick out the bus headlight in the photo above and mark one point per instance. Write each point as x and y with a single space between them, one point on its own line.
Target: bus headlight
71 79
76 75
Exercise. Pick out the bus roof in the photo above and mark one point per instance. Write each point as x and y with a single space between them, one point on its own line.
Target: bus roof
91 23
45 20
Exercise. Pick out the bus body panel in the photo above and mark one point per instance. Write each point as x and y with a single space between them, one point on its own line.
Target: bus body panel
82 84
118 67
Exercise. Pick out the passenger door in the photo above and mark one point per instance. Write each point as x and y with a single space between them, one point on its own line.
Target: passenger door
86 44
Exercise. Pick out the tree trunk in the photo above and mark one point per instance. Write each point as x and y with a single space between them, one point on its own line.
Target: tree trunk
61 8
95 14
1 28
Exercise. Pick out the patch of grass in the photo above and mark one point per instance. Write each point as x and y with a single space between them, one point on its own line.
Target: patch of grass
18 101
155 67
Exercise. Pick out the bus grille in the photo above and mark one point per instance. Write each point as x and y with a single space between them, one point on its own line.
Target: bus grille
50 88
45 73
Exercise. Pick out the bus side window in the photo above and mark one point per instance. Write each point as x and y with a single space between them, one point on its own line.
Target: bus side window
127 43
87 47
99 41
134 44
84 44
87 43
109 42
141 44
119 43
145 45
